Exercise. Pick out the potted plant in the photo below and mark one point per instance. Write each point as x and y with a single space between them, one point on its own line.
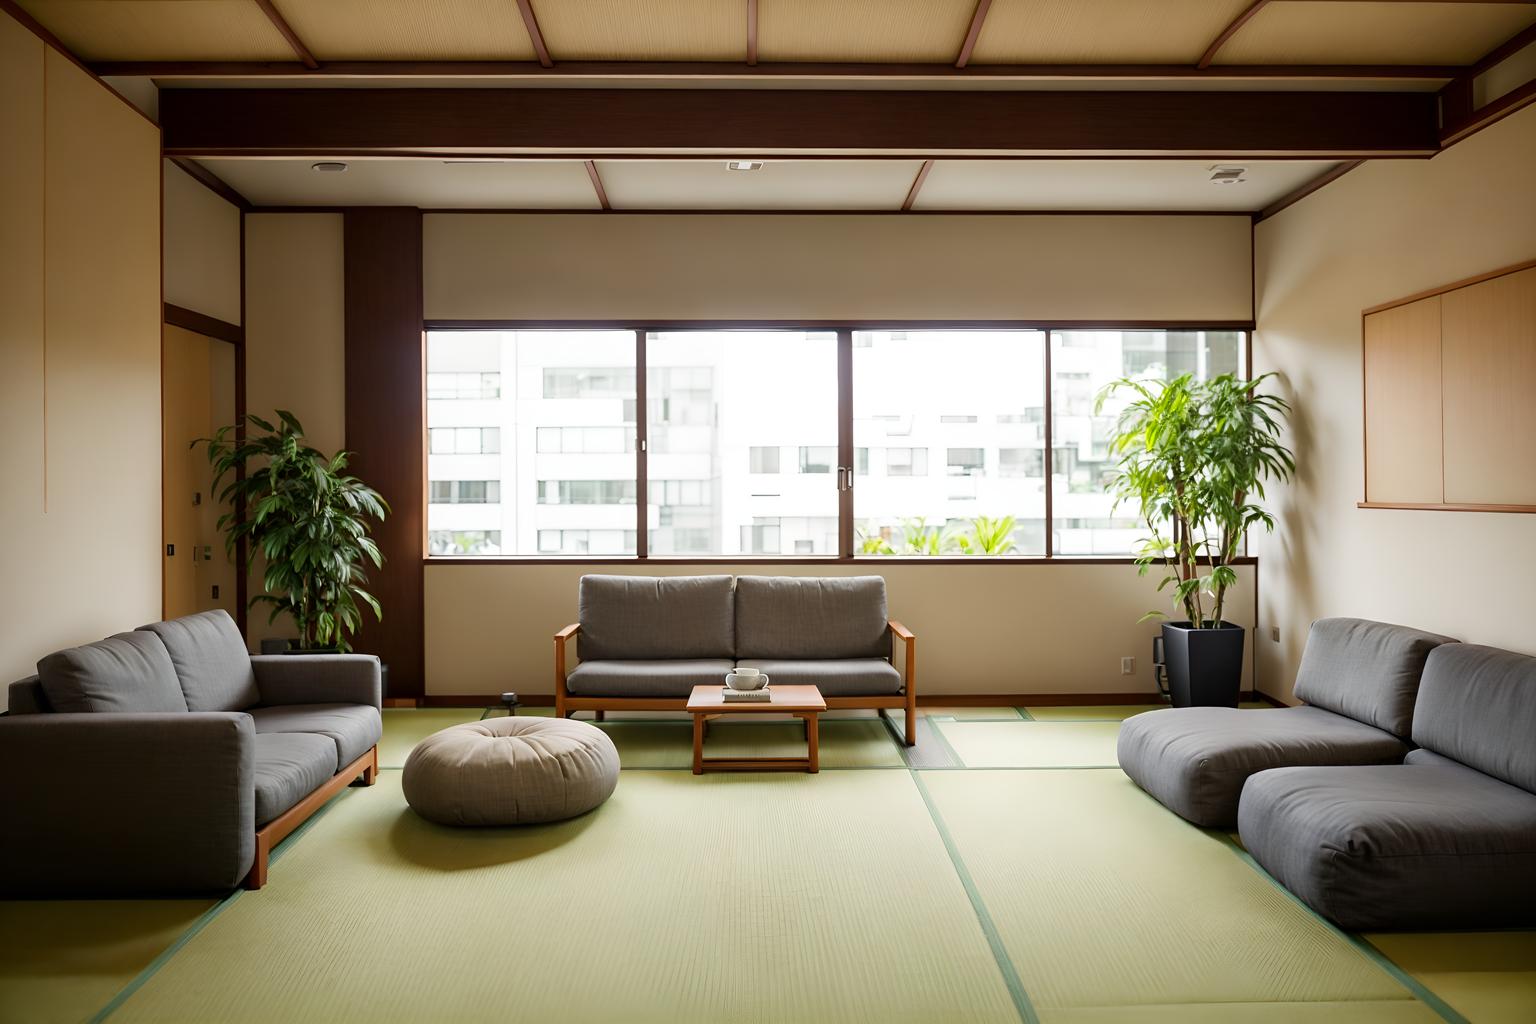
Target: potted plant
1194 456
297 508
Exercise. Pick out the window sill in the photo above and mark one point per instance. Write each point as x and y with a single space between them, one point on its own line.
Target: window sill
828 560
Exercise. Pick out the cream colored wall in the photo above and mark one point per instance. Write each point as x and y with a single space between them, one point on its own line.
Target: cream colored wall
202 248
295 335
80 344
1385 230
618 266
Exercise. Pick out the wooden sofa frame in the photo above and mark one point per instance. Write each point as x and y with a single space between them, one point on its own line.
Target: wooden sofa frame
567 704
365 770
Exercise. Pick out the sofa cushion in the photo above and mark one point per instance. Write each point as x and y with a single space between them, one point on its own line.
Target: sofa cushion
1396 846
837 677
652 617
795 617
351 728
126 672
1195 760
1367 670
645 678
288 767
1477 705
211 661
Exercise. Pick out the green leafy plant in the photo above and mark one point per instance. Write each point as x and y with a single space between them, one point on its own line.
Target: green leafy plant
1194 456
988 536
297 508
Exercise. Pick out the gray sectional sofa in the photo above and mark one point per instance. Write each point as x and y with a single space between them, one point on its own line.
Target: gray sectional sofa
169 760
645 642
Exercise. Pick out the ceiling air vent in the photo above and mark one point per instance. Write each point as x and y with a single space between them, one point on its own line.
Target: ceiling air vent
1228 175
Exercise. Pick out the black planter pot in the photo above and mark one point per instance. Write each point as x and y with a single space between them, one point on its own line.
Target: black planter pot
1204 667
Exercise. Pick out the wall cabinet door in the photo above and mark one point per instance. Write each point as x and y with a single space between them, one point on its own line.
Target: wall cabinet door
1403 452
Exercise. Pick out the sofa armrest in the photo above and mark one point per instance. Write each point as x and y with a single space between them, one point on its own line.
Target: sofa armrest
318 679
909 641
117 803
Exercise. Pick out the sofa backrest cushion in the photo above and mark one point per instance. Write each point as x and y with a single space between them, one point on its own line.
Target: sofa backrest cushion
802 617
26 697
1477 705
126 672
655 617
211 661
1368 671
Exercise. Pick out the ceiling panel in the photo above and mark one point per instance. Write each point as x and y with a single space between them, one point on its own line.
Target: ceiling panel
1311 32
644 29
409 29
1108 185
894 31
526 184
779 185
161 29
1102 31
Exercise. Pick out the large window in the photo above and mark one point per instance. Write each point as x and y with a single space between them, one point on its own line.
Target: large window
811 443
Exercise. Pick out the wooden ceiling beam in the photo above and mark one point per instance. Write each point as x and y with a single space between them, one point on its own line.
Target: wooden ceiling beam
597 184
294 42
933 124
531 23
917 185
978 18
1230 31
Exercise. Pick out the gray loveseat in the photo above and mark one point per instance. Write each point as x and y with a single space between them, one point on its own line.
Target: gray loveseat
645 642
1360 680
170 760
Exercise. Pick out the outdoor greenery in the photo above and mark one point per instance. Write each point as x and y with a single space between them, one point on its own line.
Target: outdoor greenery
1194 456
296 508
986 536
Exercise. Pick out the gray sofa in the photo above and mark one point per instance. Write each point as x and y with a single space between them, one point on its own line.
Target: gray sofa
170 760
1360 680
1446 839
644 642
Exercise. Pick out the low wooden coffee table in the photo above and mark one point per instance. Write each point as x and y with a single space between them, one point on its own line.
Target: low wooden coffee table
800 701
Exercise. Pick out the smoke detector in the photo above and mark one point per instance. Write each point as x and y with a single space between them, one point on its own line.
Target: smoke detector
744 165
1227 174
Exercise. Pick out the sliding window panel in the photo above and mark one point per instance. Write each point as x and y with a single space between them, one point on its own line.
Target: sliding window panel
1086 520
742 443
1402 404
1489 341
531 443
949 443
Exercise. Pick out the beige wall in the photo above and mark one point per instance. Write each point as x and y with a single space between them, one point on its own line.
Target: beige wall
202 247
837 267
1383 231
80 344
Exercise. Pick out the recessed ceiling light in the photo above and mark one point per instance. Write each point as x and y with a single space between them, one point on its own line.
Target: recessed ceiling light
744 165
1224 174
329 166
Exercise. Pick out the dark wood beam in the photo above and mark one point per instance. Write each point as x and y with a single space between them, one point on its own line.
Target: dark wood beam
934 123
1457 114
597 184
978 18
751 33
531 22
223 189
1489 113
202 323
1230 31
917 185
294 42
1298 194
1505 50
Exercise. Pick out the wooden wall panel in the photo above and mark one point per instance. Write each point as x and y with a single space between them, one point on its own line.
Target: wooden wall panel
386 406
1489 340
1403 455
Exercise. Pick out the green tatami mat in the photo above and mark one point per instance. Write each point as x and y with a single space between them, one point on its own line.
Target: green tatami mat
1103 712
1033 744
845 743
1490 977
1106 901
406 727
720 898
964 714
61 960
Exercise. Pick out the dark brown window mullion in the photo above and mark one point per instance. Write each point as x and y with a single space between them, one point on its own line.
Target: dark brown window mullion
845 453
642 456
1050 450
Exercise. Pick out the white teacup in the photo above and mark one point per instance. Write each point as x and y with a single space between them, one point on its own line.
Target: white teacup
746 679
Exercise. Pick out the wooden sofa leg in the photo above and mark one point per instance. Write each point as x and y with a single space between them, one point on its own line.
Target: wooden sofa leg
602 716
257 876
371 769
910 735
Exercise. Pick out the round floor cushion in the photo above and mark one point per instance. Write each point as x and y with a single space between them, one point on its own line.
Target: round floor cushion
510 771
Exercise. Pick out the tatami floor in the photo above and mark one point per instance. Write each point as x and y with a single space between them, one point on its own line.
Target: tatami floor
1002 870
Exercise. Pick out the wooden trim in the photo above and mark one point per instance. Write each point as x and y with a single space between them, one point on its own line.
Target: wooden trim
642 451
751 33
531 23
242 570
1446 507
1048 459
294 42
829 561
1505 50
817 324
1227 33
1489 114
201 323
1296 195
279 828
917 185
1453 286
597 184
978 19
847 452
215 184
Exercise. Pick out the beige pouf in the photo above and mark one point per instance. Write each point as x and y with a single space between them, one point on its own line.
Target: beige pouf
510 771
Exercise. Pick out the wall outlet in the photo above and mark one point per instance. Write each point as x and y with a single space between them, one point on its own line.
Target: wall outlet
215 591
1274 633
1127 666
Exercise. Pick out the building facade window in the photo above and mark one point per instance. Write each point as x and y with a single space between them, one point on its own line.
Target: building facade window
764 459
465 492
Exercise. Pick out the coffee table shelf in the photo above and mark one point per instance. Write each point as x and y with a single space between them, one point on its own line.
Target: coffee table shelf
803 702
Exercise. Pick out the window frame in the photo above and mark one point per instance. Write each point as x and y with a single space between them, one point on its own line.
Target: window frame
845 330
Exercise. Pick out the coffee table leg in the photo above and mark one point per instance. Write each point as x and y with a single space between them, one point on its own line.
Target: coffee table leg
698 744
813 741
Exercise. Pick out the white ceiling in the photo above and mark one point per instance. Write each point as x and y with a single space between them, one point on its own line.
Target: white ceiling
706 184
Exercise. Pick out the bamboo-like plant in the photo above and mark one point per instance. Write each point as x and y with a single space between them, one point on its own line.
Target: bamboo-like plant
988 536
297 508
1194 456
